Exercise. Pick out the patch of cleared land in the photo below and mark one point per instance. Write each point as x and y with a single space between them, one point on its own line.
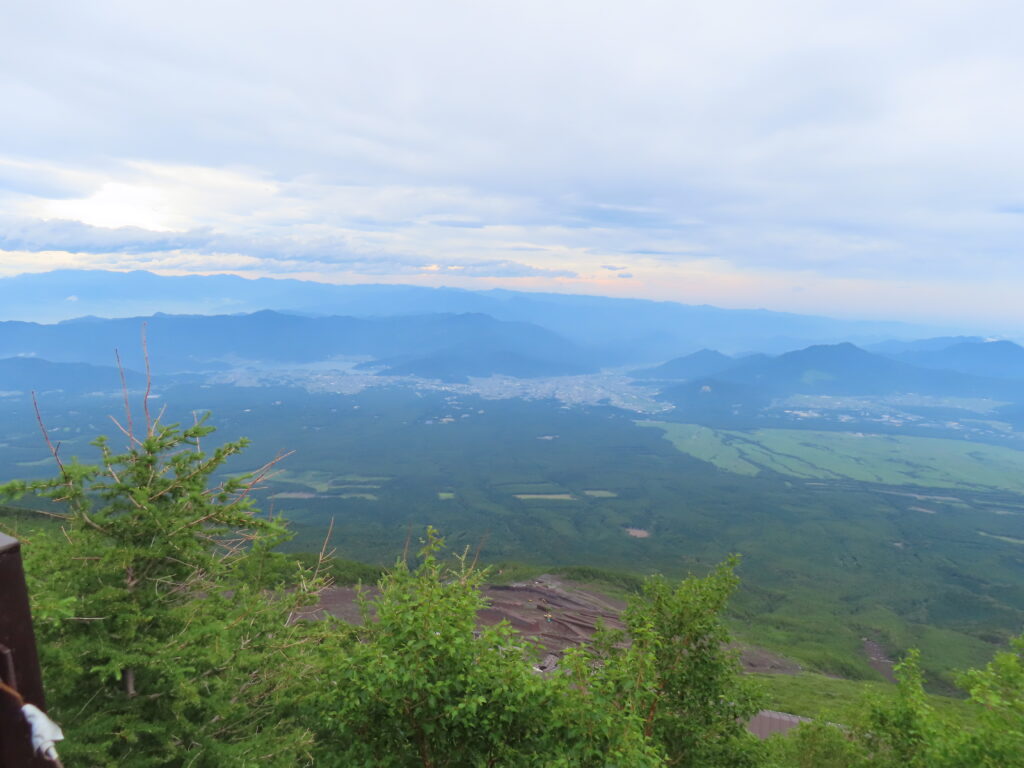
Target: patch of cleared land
37 463
598 494
1007 539
545 496
445 495
353 486
539 487
638 533
315 479
365 496
884 459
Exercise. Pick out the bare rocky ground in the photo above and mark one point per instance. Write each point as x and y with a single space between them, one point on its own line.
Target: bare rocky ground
879 659
553 612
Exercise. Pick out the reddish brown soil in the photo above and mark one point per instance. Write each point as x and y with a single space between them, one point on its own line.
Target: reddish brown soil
553 612
879 659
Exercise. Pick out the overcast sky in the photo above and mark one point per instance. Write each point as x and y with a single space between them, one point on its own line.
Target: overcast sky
846 158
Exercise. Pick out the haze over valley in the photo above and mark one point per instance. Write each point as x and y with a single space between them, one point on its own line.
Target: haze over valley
873 488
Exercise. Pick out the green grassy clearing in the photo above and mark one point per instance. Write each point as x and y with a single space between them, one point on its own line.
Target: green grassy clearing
841 701
882 459
544 496
317 480
532 488
1007 539
48 461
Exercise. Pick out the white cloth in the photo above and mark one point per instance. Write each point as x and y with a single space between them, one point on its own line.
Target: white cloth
45 732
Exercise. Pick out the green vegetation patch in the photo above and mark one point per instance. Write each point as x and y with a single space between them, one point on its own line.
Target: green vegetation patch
38 463
516 488
840 701
1007 539
445 495
705 444
318 480
544 496
884 459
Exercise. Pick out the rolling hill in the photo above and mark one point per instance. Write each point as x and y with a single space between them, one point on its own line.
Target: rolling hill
201 342
705 362
24 374
836 369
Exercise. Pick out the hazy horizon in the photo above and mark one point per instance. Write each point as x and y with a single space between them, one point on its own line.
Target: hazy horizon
65 307
811 158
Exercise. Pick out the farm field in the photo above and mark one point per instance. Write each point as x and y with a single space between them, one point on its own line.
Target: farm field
881 459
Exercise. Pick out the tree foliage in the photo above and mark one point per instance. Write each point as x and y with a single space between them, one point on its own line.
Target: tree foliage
906 732
701 702
422 685
155 629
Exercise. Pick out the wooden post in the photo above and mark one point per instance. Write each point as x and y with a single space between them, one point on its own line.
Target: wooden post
19 662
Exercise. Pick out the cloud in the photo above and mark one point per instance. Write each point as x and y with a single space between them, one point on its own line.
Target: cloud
825 141
209 250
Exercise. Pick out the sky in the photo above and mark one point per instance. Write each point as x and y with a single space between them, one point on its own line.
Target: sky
849 159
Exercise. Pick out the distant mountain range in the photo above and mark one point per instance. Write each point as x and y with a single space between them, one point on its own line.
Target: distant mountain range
844 369
705 362
998 359
453 347
900 346
25 374
444 345
622 331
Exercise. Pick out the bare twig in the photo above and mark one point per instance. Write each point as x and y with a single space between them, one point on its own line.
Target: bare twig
259 476
149 384
127 406
89 520
58 515
405 549
124 431
324 555
479 546
46 436
195 422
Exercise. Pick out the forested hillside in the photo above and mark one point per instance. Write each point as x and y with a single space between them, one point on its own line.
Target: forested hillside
168 636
